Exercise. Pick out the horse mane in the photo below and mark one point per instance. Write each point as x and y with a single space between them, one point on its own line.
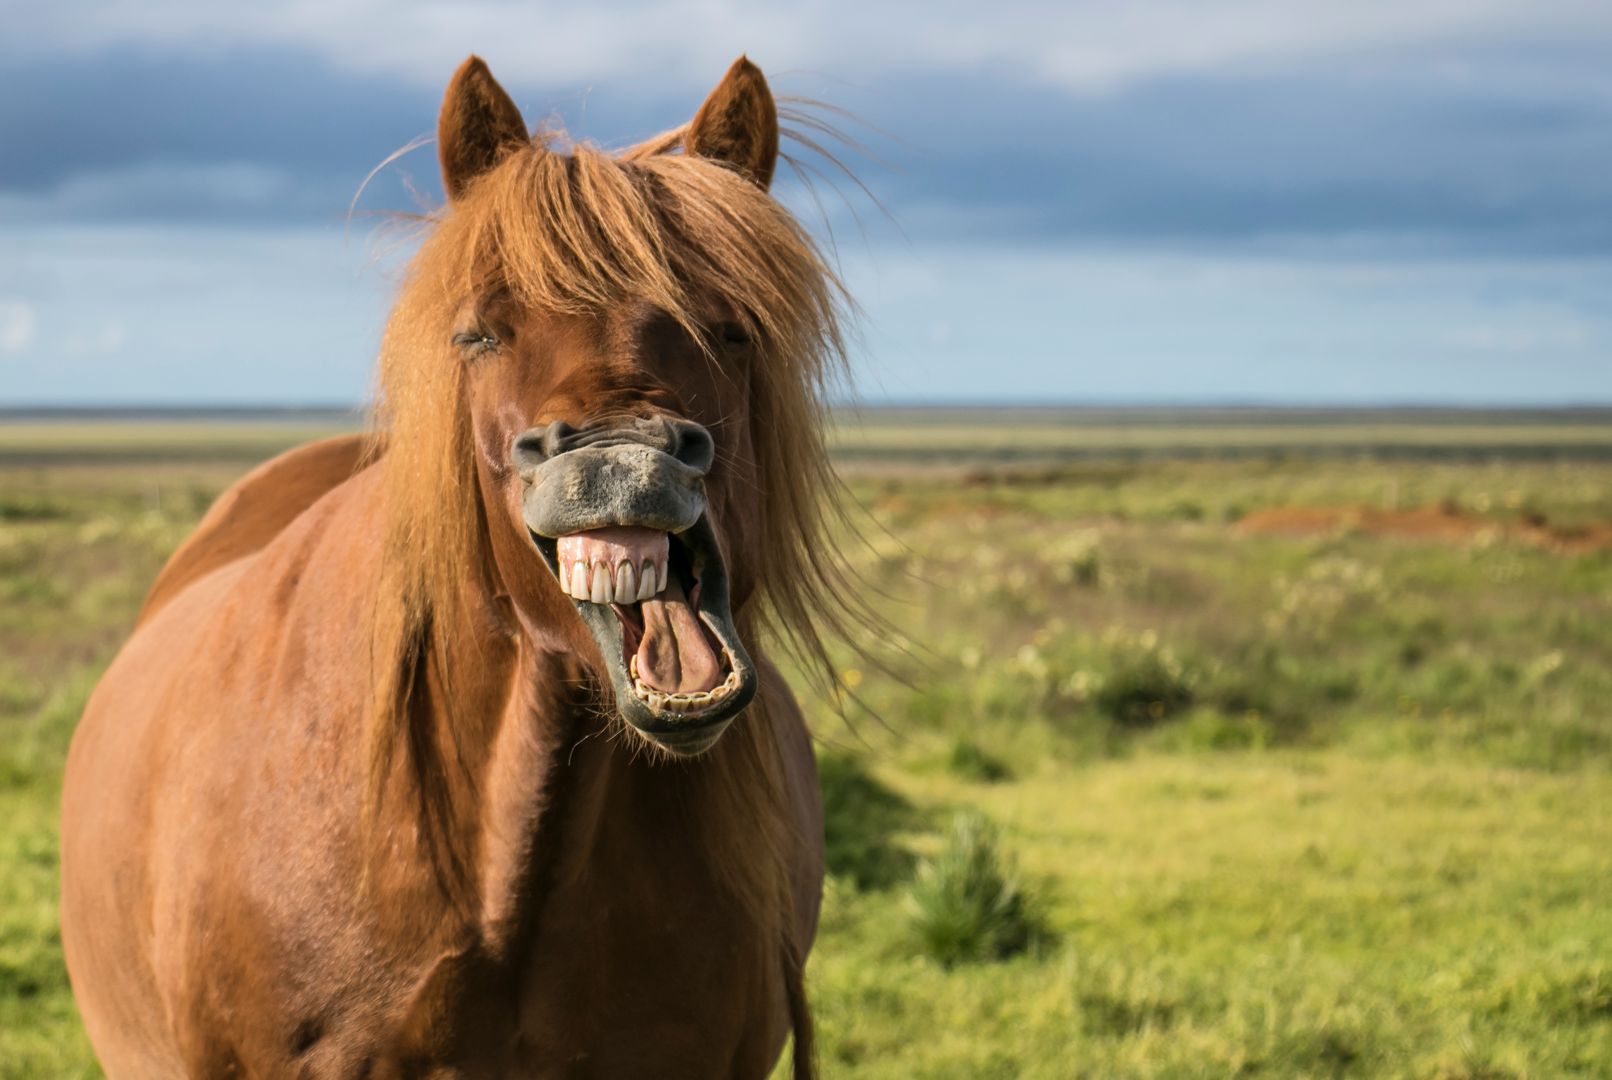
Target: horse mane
571 228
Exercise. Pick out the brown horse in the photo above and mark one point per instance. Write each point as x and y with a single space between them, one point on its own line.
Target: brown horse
412 765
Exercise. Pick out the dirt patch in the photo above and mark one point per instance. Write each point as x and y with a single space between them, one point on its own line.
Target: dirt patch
1437 524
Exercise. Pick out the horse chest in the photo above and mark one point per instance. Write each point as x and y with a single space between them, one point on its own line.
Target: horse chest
631 959
602 989
649 968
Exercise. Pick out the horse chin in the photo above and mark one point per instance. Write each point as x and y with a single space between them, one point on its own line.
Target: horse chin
682 724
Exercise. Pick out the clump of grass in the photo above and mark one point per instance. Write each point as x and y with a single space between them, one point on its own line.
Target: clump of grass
1078 560
1119 1000
1583 997
31 506
1144 685
968 761
1471 1062
967 902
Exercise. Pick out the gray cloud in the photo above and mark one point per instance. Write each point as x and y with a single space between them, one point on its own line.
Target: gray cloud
1079 45
1409 146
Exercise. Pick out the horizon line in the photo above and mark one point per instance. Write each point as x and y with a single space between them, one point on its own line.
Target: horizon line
155 408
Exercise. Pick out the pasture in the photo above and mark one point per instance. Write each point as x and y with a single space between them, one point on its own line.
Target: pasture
1294 731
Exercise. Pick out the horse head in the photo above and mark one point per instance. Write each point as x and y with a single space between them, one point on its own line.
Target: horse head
635 342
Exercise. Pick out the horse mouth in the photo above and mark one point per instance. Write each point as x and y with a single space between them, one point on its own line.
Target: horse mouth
656 603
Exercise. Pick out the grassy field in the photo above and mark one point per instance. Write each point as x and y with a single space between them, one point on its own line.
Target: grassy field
1309 802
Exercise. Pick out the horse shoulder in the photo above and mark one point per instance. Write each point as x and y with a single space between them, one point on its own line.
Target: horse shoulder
254 510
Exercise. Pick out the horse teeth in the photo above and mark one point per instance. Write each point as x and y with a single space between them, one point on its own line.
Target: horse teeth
603 588
626 584
664 572
646 581
579 581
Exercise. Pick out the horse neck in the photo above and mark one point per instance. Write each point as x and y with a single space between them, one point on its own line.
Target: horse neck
507 737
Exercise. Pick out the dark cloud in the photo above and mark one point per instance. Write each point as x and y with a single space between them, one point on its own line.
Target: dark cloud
1469 149
89 121
1398 155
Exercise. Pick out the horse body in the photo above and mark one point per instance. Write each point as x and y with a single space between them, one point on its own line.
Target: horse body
322 819
544 972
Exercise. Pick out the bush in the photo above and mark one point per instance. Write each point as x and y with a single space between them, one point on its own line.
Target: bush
967 903
1143 687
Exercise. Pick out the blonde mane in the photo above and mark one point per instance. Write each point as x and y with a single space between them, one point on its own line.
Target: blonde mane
575 229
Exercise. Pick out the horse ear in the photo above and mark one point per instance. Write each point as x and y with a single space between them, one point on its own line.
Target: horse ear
738 124
479 124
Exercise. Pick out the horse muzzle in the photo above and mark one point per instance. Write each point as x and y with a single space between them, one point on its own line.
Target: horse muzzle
617 510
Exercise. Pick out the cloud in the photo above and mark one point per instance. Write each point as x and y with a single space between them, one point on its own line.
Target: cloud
1408 148
228 190
1423 150
1159 199
213 313
1158 327
1081 45
197 314
17 326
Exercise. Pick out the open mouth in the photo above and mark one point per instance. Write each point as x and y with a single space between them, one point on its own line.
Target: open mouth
649 582
656 603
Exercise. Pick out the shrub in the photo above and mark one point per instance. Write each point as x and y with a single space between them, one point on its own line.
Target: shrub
967 903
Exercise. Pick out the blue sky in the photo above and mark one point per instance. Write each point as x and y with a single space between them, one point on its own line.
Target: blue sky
1158 201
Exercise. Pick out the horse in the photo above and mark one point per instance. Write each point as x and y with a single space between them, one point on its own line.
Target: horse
451 749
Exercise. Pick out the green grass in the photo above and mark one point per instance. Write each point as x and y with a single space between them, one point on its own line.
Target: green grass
1280 914
967 902
1325 806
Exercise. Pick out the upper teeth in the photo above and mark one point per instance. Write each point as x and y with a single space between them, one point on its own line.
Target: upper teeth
616 564
623 583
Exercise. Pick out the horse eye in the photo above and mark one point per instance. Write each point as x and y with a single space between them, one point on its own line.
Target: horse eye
734 334
476 341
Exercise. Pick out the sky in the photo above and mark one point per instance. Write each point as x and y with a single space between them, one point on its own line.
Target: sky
1161 201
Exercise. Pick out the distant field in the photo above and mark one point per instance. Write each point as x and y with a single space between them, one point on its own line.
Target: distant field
1325 802
45 442
928 436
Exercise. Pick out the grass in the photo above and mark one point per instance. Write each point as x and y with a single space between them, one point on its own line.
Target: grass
967 902
1329 805
1282 913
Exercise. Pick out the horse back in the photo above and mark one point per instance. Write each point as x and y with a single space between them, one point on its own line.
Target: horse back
254 510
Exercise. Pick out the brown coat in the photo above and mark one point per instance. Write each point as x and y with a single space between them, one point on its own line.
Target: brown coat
212 938
354 800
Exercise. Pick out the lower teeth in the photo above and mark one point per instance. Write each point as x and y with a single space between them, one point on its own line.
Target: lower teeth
700 699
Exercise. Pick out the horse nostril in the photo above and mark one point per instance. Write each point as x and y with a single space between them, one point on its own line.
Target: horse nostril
691 444
537 445
685 441
554 437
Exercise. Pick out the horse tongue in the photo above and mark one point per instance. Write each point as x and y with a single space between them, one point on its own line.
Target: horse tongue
675 656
